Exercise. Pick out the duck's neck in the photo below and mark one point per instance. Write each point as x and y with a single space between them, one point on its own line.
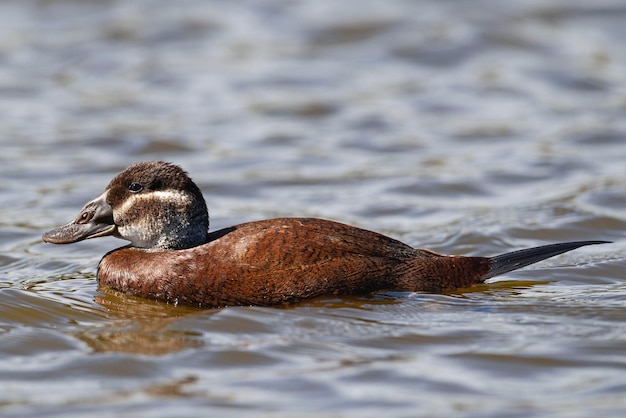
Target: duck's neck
169 230
188 237
181 232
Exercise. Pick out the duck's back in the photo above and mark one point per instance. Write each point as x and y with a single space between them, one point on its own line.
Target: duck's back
283 242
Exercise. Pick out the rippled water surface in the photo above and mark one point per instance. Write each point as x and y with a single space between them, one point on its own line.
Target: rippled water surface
468 127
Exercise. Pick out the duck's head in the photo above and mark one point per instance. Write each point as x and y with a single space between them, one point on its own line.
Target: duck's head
154 205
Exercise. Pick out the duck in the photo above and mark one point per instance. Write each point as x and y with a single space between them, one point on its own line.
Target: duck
172 257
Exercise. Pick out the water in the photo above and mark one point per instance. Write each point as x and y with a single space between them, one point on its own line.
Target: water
472 127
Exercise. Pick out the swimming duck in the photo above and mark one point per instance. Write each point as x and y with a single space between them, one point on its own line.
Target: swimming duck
173 257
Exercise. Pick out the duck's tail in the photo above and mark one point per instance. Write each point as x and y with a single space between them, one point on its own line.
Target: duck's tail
505 263
440 273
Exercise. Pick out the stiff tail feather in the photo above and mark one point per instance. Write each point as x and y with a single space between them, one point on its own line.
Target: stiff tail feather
505 263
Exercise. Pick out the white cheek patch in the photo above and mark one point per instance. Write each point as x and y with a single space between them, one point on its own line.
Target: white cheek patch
173 196
166 197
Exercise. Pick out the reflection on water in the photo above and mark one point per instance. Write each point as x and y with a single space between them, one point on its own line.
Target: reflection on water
471 127
141 337
138 326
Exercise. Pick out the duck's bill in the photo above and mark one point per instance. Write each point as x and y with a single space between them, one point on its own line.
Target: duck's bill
95 220
72 232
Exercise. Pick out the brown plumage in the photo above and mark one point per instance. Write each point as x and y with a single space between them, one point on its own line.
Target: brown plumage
158 208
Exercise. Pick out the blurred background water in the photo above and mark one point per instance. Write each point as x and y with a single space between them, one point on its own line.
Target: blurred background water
468 127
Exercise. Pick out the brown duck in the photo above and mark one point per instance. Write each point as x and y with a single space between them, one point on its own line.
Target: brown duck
172 256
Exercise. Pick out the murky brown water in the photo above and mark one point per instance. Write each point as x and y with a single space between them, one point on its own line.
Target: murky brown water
471 127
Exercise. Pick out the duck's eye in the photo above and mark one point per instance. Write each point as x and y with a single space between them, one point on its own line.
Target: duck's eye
85 217
135 187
